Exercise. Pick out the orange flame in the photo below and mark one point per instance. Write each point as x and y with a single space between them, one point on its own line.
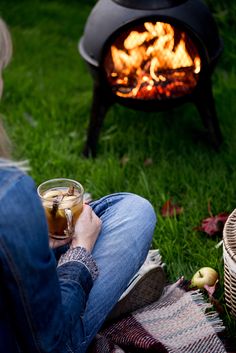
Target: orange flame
150 58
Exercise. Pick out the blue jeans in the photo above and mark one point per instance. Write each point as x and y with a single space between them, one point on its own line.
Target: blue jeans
127 229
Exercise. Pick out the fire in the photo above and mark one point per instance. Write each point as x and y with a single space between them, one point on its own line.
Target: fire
153 62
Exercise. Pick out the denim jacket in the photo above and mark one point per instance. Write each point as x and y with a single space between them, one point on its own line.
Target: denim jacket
39 302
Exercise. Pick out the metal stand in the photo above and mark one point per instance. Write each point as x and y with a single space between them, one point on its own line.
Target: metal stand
103 99
204 101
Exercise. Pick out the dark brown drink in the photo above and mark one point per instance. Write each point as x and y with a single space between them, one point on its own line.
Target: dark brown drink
63 205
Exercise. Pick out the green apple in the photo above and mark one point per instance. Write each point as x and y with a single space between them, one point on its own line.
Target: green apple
204 276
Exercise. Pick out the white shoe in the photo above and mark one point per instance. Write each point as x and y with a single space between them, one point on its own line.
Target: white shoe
144 288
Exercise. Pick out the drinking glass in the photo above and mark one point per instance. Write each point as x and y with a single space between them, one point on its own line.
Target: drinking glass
62 200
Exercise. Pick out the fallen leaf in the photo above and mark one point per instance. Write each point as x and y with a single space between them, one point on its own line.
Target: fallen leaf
213 225
210 289
185 284
148 162
170 209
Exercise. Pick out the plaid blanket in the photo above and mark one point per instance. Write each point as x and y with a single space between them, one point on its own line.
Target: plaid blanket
178 322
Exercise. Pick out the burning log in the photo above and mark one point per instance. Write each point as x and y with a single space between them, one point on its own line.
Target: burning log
174 82
153 63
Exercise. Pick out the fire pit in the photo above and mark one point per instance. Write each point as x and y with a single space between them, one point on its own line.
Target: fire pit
151 55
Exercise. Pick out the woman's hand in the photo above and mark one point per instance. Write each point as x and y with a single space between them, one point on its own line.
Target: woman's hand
87 229
56 243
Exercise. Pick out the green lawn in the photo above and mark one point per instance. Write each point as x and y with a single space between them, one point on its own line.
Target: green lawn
46 106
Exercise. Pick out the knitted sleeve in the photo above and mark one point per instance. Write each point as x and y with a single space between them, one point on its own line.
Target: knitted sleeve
81 255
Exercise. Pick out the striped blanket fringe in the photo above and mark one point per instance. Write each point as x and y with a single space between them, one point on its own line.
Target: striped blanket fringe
179 322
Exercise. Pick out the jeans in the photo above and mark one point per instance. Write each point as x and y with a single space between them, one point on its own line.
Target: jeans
128 223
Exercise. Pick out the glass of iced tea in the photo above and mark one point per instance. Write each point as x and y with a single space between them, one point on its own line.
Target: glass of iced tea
62 200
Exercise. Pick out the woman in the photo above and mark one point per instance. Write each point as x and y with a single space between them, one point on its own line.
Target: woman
50 307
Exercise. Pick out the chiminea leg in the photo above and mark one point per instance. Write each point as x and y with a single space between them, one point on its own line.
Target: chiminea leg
101 103
205 104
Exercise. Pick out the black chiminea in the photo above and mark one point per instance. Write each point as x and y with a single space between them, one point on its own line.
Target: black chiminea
151 55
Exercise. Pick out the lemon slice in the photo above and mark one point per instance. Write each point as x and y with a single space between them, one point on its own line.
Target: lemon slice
51 194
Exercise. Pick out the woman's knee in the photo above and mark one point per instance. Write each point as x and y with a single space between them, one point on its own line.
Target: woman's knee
142 208
128 210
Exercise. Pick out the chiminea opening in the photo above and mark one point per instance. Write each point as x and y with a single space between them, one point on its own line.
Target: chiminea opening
151 55
154 60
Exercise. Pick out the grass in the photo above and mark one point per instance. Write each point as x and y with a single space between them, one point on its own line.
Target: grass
46 105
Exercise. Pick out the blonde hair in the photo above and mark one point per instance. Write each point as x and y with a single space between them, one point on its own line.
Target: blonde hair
5 57
5 45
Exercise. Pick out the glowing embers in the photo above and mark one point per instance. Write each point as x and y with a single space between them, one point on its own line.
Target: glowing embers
152 61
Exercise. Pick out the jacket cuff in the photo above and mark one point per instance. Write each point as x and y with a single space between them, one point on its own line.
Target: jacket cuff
60 250
81 255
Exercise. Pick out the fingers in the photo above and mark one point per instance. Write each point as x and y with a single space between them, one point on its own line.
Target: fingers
96 219
55 243
87 211
87 229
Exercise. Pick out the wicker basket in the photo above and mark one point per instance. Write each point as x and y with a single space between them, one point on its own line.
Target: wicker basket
229 252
